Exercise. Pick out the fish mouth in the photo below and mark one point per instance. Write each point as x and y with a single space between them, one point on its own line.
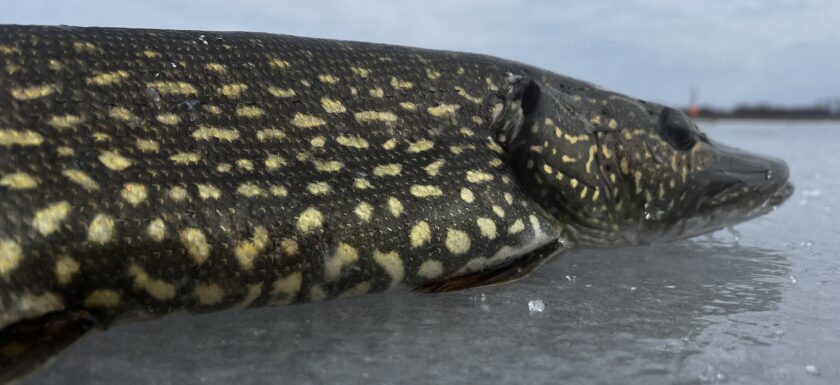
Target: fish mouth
744 183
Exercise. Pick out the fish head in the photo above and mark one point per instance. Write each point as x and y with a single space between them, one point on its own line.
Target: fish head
618 171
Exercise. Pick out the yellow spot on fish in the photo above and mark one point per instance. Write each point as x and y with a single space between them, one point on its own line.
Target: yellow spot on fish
487 227
509 198
19 181
134 193
408 106
249 112
122 113
328 166
250 190
568 159
84 46
310 220
34 92
101 229
208 191
101 137
443 110
395 206
48 220
278 191
156 230
289 246
500 212
361 72
147 145
209 133
114 160
377 92
65 151
196 244
467 195
592 150
318 188
63 122
574 182
157 288
401 84
168 118
467 96
273 162
392 264
151 54
247 251
216 67
332 106
457 241
390 144
80 178
420 234
478 176
432 74
352 141
278 63
387 169
173 88
517 227
344 255
209 294
425 191
185 158
281 92
638 179
434 168
307 121
178 194
327 78
364 211
20 138
233 90
430 269
369 116
361 184
270 134
65 268
10 256
612 124
420 146
102 298
287 287
575 138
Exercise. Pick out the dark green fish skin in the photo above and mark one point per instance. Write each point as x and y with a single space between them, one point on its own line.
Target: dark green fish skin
146 172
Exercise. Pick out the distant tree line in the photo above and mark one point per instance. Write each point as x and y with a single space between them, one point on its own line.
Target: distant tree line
826 109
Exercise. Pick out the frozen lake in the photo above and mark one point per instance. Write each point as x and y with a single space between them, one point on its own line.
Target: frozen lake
759 307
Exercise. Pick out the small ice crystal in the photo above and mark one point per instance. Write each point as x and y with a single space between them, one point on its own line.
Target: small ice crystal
536 306
812 369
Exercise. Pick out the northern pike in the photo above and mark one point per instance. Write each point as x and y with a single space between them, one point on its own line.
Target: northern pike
148 172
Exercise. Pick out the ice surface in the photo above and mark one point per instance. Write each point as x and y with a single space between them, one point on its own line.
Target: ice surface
708 310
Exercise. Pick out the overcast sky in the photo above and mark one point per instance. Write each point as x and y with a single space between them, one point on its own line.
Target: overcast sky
779 51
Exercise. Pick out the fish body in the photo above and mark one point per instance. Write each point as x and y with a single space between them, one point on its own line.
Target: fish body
147 172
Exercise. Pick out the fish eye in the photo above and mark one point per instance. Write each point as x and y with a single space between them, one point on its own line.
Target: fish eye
677 130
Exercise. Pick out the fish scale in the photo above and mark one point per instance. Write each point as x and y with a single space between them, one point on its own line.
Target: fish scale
148 172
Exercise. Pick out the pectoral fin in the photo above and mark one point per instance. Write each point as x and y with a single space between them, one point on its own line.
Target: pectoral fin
497 275
27 344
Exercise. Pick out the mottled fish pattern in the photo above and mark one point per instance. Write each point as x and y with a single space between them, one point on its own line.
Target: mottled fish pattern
149 171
